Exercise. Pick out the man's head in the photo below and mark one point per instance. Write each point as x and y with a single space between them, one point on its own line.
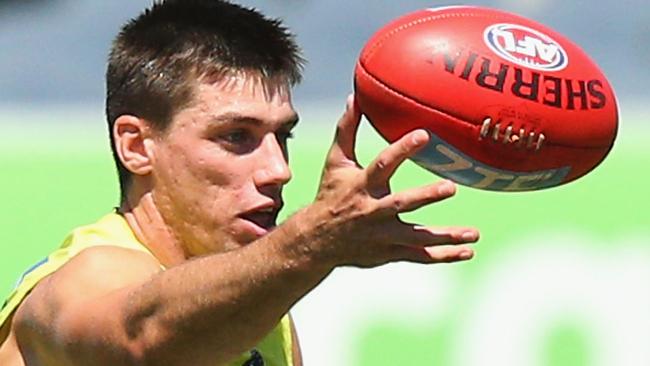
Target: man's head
199 110
160 56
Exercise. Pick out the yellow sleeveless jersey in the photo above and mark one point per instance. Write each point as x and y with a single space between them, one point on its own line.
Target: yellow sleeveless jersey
274 350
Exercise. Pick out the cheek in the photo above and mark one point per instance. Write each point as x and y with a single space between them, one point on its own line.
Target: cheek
219 176
175 168
184 176
228 179
204 179
216 168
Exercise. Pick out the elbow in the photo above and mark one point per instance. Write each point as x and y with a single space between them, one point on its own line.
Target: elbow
149 337
144 344
106 341
156 343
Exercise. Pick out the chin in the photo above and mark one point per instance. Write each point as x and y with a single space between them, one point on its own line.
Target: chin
247 239
239 241
240 235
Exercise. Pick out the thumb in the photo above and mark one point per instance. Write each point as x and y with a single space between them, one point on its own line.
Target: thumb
346 133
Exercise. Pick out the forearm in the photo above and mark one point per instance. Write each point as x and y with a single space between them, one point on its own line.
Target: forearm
221 304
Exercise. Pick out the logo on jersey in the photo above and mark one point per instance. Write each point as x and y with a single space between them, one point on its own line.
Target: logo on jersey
526 47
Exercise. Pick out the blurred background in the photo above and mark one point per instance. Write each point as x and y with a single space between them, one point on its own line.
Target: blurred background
562 277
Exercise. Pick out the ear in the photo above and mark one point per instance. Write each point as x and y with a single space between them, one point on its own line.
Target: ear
132 136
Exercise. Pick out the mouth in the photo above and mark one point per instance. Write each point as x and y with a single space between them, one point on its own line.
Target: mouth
263 218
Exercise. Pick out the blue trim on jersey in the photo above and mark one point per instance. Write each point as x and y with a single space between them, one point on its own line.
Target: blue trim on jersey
22 277
31 269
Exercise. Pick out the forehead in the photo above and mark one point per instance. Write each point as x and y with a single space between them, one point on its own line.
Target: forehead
239 94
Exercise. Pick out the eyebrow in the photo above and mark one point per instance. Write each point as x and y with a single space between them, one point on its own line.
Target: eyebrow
233 117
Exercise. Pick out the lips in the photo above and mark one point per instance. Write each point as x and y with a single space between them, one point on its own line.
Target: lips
261 219
264 217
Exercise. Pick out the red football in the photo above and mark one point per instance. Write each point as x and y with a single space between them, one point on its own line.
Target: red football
510 104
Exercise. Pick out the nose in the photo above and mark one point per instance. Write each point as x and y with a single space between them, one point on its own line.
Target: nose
273 167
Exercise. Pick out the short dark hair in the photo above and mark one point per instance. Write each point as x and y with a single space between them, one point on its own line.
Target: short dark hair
158 57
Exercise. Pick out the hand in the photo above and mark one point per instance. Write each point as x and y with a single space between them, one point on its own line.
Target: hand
358 222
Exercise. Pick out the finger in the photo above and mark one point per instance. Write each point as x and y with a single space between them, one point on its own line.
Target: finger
384 166
346 133
436 254
421 236
414 198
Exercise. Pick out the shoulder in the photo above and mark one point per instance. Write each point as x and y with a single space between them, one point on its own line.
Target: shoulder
94 272
83 291
107 265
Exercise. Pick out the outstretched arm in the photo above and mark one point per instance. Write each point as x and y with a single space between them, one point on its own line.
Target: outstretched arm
110 306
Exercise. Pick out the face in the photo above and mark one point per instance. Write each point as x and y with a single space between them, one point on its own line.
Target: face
219 169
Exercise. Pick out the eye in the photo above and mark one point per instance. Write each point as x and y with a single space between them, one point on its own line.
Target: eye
238 140
237 137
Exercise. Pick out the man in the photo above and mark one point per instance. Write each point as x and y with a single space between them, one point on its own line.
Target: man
191 269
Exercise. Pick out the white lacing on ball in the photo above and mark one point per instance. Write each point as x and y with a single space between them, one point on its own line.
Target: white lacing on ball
528 140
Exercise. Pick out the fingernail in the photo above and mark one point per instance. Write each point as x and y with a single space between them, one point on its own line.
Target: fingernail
446 188
466 254
419 137
469 236
349 101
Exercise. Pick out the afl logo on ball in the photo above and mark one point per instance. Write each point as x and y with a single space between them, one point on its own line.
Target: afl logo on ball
526 47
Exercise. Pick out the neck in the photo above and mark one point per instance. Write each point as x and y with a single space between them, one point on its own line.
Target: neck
143 217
